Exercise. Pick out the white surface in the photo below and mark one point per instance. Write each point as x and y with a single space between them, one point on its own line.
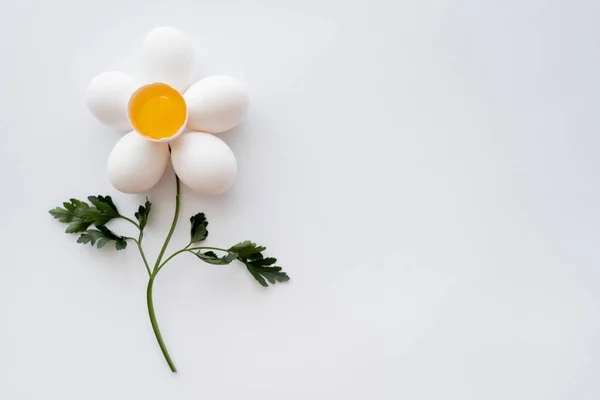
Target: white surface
426 171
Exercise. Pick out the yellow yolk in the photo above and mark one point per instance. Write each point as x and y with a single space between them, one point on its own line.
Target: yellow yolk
157 111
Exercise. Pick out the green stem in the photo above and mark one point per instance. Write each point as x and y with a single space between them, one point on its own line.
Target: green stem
173 225
138 241
130 220
208 248
169 259
157 333
151 313
139 245
188 249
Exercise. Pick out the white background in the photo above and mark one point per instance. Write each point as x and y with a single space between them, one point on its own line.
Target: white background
426 171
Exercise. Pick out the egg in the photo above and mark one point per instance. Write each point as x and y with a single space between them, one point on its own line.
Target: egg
136 164
168 58
203 162
107 96
216 104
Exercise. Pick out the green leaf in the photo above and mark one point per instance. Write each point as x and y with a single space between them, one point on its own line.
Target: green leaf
262 262
247 249
212 258
266 273
198 232
105 205
80 215
70 215
63 214
142 214
67 214
121 244
77 226
90 236
101 236
262 268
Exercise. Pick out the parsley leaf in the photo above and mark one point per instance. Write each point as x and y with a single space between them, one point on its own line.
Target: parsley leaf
272 274
198 232
211 258
80 215
104 205
261 268
70 214
142 214
64 214
246 249
101 236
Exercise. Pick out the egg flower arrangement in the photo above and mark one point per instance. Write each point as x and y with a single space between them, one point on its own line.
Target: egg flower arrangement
167 116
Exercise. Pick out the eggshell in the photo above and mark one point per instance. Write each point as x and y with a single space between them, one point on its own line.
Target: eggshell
136 164
216 104
159 113
203 162
107 96
168 58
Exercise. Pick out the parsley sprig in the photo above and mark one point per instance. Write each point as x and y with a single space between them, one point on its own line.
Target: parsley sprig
80 216
89 220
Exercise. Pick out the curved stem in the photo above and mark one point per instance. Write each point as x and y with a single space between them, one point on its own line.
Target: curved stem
138 242
173 225
169 259
155 327
153 321
188 249
139 245
209 248
130 220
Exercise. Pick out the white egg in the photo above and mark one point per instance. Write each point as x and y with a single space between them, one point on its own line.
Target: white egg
136 164
216 104
107 96
168 58
203 162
